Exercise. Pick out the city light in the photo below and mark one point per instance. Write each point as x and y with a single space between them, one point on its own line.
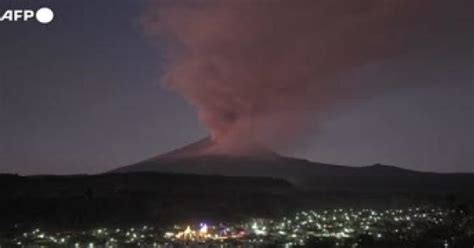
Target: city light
341 225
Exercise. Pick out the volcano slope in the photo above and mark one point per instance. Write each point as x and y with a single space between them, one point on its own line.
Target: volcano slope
206 158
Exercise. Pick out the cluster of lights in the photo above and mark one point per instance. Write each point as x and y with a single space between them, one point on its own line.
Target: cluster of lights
99 237
205 233
339 224
350 223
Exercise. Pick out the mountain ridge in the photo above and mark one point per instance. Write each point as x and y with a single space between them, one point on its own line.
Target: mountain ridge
195 159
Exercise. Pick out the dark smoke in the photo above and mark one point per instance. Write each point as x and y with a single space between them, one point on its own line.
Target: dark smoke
258 70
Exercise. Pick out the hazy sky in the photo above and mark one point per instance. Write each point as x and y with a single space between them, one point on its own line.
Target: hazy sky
83 95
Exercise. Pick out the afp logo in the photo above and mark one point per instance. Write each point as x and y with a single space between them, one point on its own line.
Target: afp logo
43 15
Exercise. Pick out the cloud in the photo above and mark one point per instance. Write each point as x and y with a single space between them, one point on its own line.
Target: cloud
261 70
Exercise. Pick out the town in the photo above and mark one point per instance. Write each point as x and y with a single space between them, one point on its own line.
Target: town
321 228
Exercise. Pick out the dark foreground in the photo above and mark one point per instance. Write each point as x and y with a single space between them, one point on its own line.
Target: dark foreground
410 227
155 210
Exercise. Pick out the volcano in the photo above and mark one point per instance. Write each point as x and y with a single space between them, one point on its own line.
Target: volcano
208 147
206 157
210 158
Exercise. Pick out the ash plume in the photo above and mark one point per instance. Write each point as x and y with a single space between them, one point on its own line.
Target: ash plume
261 70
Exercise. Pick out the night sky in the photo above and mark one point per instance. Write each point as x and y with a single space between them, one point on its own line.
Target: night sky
83 95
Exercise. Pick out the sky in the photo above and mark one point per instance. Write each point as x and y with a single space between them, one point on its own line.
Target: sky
83 94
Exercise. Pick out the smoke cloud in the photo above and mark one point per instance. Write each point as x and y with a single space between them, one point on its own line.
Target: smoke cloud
260 70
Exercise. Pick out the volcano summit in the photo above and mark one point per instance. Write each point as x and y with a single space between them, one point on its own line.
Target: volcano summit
209 147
